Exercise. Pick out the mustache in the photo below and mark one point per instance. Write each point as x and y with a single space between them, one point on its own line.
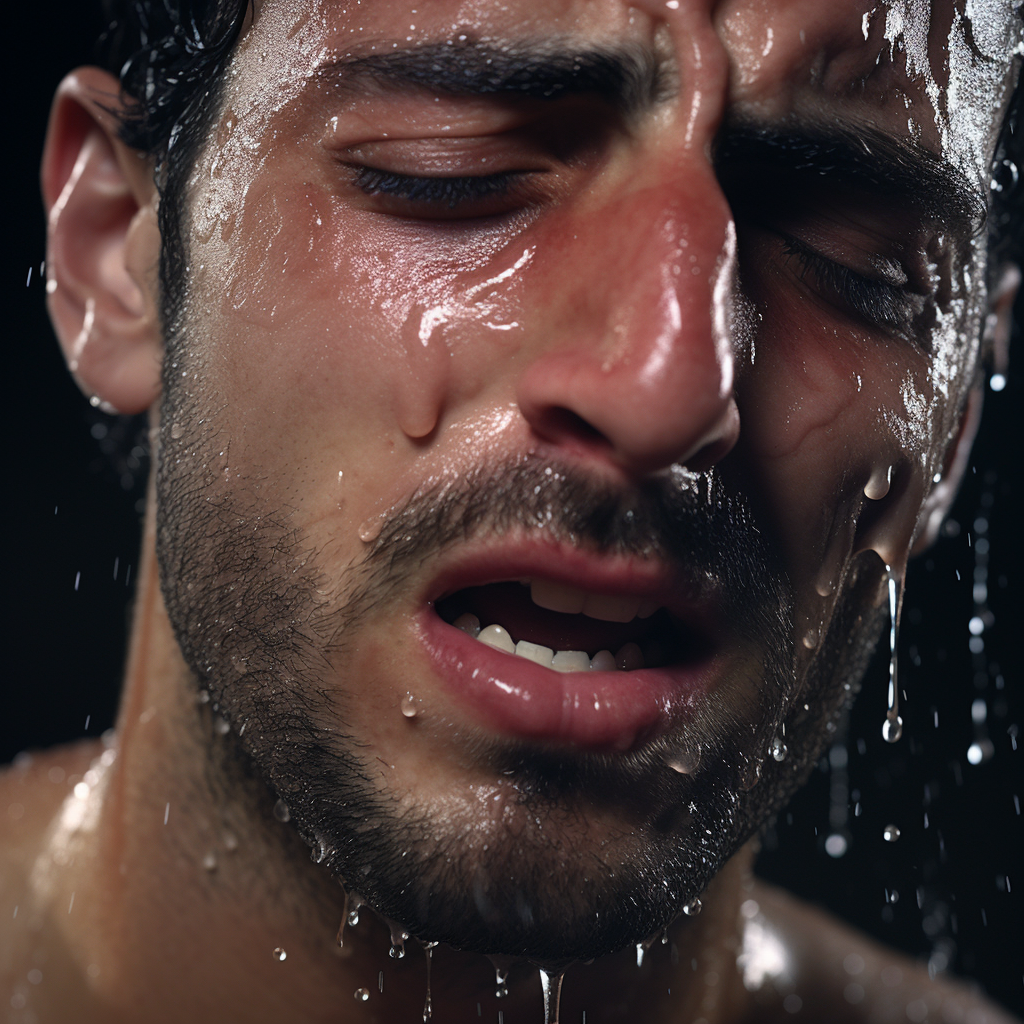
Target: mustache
691 522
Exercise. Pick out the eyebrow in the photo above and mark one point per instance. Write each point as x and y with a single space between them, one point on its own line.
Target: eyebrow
628 78
856 157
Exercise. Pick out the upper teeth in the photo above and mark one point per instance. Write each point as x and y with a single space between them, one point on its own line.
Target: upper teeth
560 597
628 658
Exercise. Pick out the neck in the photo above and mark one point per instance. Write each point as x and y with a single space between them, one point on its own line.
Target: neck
208 907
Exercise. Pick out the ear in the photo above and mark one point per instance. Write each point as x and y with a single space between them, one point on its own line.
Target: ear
996 344
103 246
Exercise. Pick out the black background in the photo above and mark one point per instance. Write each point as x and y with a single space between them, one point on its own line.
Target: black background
74 515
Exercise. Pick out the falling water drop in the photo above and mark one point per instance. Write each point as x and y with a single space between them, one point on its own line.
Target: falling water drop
890 833
640 951
892 727
428 950
551 986
500 982
409 706
280 954
693 908
362 995
281 811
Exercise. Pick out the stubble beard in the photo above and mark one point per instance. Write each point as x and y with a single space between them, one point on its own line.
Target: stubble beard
591 852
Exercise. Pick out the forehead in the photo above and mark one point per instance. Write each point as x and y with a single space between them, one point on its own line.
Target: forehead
938 72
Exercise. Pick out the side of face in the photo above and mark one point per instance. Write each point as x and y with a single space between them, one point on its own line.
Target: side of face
640 329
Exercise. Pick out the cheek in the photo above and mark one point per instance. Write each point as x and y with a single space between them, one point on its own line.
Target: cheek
843 432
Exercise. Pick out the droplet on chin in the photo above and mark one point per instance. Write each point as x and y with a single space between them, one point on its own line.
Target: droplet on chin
410 707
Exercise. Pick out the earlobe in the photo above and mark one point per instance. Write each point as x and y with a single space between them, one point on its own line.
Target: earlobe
103 246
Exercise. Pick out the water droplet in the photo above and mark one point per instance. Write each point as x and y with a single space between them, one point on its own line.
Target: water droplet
221 726
750 776
428 1010
685 760
892 727
370 530
280 954
890 833
551 987
640 952
779 749
362 995
693 908
810 640
399 937
878 483
176 431
210 861
836 845
409 706
281 811
500 982
353 917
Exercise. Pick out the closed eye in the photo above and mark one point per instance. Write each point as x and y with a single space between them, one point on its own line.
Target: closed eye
446 197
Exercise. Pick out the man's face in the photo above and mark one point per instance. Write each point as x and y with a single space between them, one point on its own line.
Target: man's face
645 330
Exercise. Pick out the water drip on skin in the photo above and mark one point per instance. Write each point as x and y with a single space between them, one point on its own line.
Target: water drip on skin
693 908
409 705
685 760
349 916
399 936
428 1010
779 750
370 530
892 727
878 483
551 987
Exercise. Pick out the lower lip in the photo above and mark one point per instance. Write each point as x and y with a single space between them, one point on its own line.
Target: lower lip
611 711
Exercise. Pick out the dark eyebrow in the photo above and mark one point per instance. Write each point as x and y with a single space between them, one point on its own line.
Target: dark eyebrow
628 78
857 158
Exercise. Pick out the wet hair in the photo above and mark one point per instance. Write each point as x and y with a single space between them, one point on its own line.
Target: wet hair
170 56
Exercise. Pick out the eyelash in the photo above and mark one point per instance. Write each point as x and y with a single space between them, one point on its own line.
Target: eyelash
436 191
881 304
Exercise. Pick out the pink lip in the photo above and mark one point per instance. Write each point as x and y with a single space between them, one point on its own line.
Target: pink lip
589 710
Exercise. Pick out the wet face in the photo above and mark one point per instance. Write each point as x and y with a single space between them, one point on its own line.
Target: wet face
639 337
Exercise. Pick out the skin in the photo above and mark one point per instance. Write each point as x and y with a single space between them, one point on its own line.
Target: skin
423 348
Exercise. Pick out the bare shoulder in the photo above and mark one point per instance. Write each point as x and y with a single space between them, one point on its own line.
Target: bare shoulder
32 791
835 974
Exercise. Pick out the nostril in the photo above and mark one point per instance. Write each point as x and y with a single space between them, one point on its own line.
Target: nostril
563 426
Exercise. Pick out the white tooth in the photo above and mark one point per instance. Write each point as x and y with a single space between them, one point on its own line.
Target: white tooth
557 597
647 609
468 623
571 661
603 661
534 652
497 636
629 657
611 607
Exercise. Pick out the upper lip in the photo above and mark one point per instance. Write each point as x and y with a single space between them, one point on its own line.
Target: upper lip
690 596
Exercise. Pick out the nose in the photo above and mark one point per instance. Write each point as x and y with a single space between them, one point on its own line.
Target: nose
638 371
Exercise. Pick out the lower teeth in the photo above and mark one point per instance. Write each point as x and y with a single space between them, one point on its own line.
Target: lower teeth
628 658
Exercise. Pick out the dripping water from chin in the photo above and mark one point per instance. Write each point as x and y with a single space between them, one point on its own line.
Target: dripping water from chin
551 987
892 727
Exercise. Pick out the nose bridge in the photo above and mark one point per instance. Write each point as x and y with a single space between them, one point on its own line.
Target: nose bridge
639 370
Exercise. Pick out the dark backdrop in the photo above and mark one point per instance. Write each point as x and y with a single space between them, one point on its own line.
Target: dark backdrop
949 889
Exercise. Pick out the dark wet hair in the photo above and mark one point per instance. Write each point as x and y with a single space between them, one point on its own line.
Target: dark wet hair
170 55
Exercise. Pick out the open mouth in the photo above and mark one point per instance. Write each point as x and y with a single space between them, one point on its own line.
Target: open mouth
569 629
